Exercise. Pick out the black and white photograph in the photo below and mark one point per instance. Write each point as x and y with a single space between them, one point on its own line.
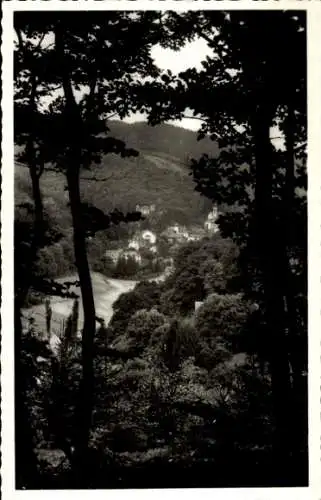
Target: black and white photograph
160 248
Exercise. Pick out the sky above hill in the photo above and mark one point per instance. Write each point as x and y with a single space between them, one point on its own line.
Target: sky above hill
191 55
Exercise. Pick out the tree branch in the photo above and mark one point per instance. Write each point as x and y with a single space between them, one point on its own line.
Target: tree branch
50 45
300 146
94 80
202 120
41 40
54 89
95 179
205 37
20 40
194 118
41 170
198 31
111 116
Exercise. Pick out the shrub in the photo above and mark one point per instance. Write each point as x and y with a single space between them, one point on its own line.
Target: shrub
221 319
141 327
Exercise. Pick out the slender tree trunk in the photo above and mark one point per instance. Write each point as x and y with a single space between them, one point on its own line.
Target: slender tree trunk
298 338
38 204
289 232
35 169
23 433
270 264
73 160
89 327
26 462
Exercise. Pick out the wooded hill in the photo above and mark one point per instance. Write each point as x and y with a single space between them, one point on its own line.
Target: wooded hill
160 175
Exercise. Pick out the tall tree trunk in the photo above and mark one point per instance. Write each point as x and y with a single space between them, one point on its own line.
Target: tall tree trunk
35 171
26 463
89 327
298 338
290 240
270 264
73 162
38 204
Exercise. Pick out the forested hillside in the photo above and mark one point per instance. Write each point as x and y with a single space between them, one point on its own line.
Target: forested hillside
176 142
160 175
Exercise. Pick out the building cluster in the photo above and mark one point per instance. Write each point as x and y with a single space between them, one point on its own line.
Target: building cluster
146 210
144 242
180 234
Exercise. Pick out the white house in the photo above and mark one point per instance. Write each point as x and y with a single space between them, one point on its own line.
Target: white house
145 209
181 231
197 304
210 224
54 343
175 228
176 233
134 244
148 237
131 254
144 239
153 249
212 216
211 227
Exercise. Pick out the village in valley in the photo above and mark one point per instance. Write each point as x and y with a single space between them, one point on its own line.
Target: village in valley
146 253
151 249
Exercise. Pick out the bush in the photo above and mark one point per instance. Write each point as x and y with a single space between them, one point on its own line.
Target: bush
141 327
144 296
210 358
220 320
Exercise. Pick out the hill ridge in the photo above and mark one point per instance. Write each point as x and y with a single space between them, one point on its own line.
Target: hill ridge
159 175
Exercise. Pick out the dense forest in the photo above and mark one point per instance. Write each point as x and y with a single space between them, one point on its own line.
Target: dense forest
199 379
